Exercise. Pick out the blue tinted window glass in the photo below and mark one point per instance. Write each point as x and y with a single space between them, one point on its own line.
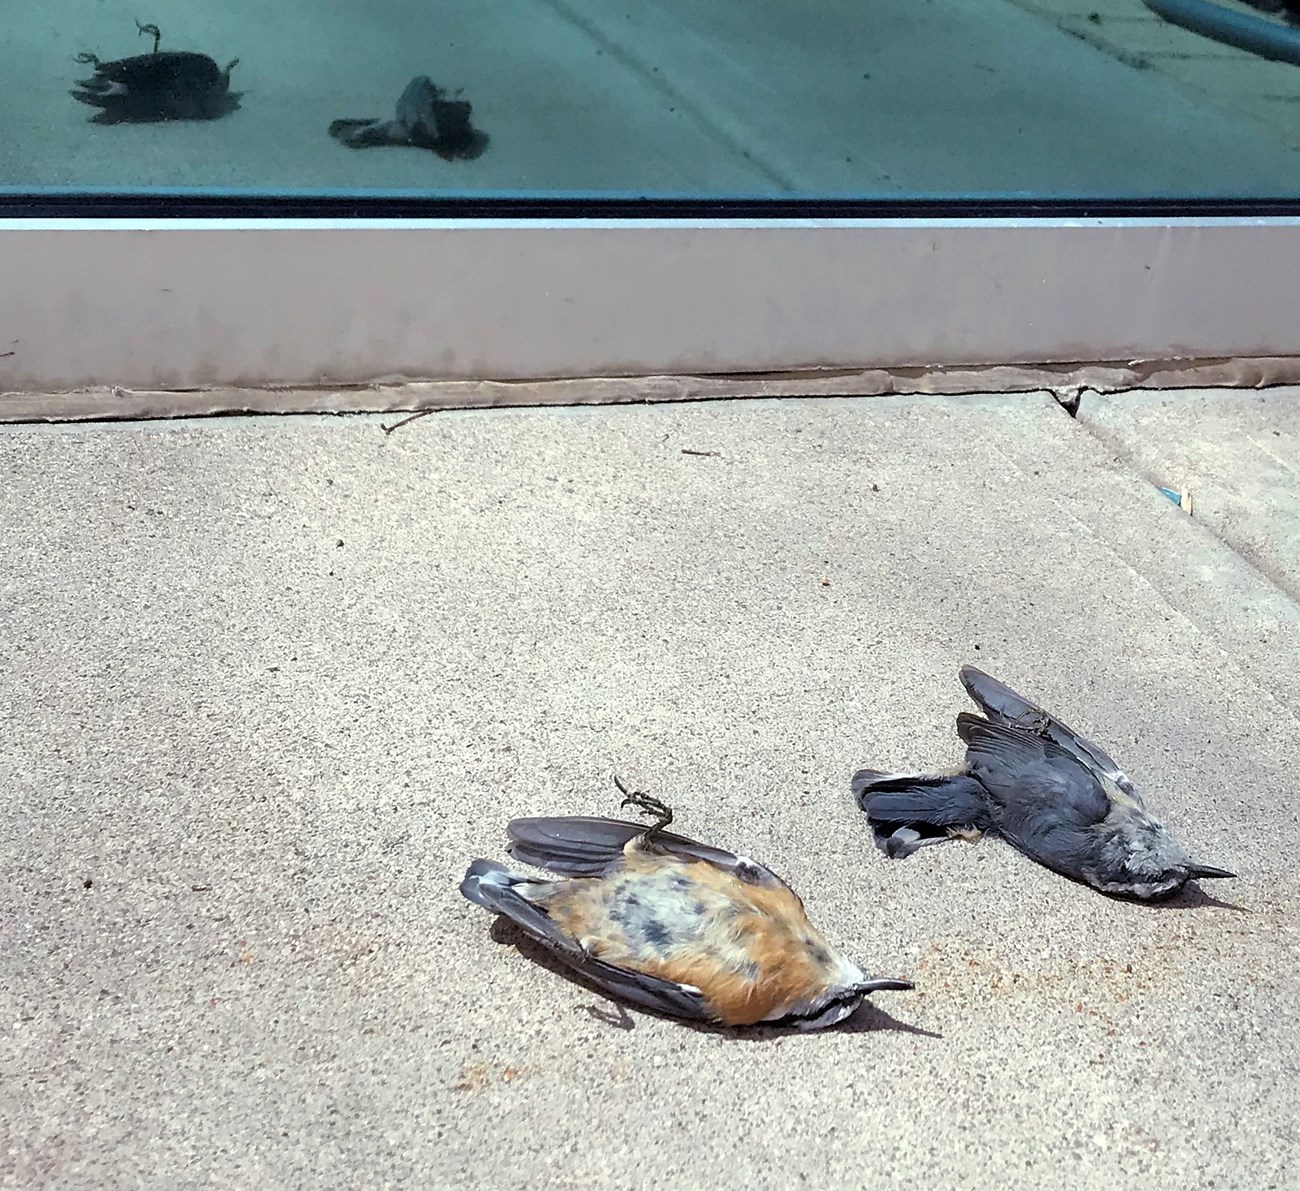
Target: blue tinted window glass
850 99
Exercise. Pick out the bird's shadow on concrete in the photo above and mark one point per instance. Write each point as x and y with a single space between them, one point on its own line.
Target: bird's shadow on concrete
867 1018
1193 897
1190 897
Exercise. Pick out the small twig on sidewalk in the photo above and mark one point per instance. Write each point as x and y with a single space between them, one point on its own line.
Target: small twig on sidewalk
702 454
409 418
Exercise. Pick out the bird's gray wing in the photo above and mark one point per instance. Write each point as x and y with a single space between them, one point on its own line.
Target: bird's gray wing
496 888
1027 773
1002 705
1050 804
589 846
415 107
650 992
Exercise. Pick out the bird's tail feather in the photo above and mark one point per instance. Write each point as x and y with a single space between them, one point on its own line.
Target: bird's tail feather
911 811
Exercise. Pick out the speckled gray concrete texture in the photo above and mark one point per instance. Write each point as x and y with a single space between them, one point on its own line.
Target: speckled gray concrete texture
1238 452
268 685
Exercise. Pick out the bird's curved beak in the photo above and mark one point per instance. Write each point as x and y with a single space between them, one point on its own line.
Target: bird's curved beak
884 984
1205 871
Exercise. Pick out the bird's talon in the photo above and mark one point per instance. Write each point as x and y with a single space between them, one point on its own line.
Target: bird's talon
646 802
150 30
1033 720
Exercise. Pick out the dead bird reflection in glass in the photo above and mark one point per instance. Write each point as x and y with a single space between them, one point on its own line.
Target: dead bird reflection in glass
426 118
161 85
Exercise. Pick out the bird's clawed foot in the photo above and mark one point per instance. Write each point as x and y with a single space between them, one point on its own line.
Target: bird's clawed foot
150 30
647 802
1034 720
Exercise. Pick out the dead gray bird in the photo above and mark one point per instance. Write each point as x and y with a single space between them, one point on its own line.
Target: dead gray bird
1048 791
150 88
426 118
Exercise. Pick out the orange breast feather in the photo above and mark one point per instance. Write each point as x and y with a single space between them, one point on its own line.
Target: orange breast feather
752 951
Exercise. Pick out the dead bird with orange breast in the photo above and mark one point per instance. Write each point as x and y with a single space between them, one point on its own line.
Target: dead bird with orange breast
672 925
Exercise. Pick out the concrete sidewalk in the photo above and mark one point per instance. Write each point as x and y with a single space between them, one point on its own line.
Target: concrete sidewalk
268 685
1236 451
